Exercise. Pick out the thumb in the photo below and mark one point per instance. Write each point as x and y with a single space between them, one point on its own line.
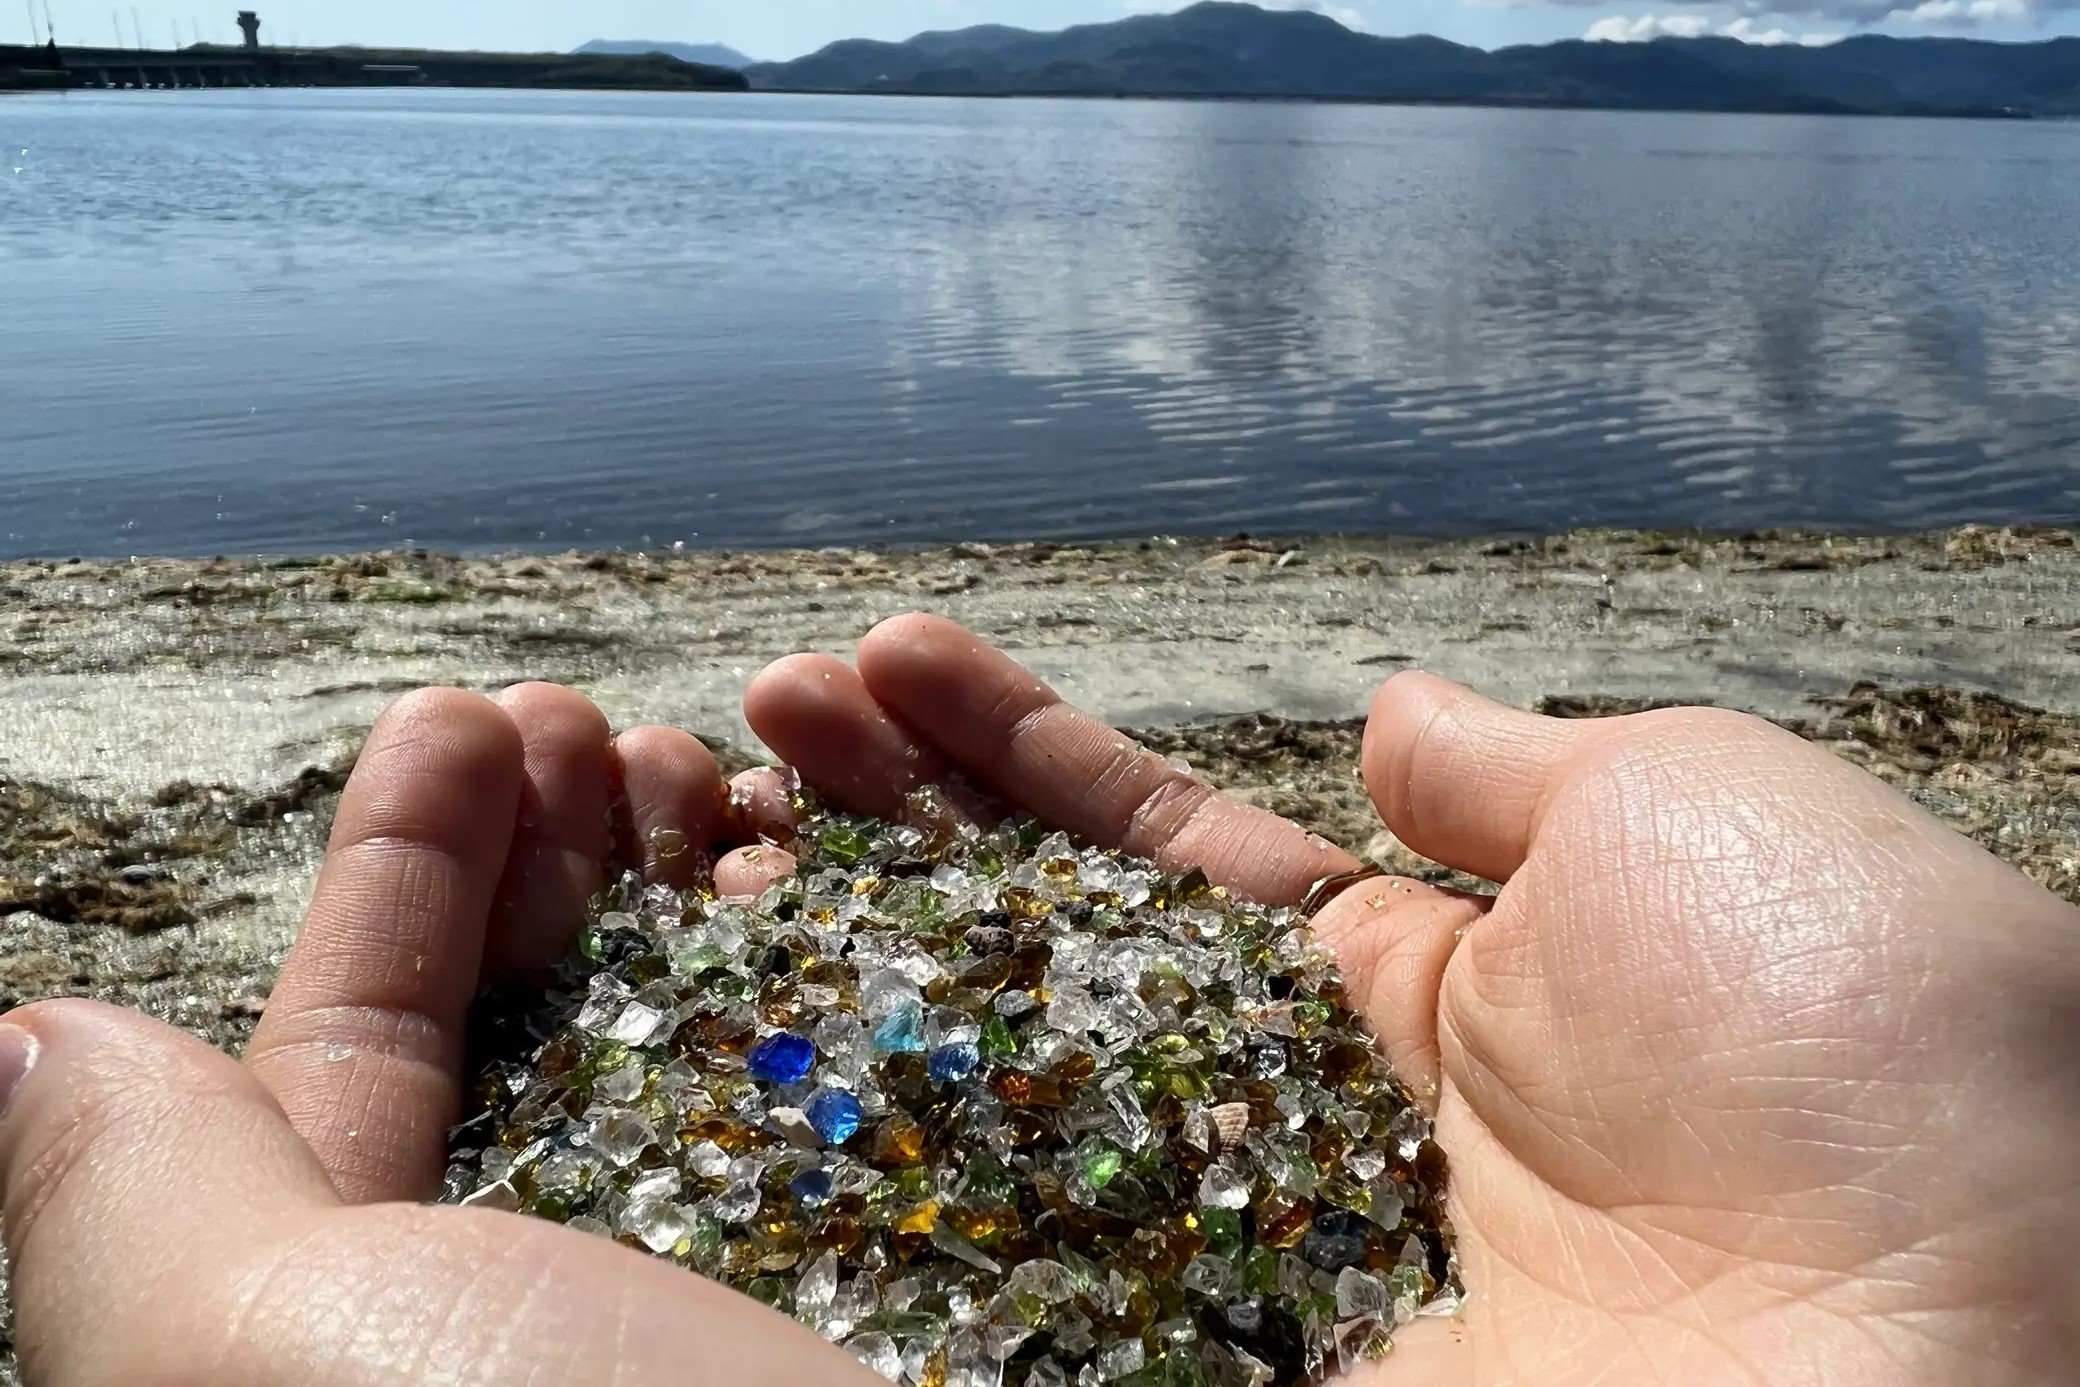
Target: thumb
139 1168
1461 779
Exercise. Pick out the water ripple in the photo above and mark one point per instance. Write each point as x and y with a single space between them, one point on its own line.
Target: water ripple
285 320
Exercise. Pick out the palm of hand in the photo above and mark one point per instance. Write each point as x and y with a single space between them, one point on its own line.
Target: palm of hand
1712 1068
1713 1061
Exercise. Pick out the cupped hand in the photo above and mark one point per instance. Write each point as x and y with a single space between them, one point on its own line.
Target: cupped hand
1751 1072
175 1216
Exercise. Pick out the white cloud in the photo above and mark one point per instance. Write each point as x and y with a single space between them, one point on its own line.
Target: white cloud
1620 28
1959 14
1961 11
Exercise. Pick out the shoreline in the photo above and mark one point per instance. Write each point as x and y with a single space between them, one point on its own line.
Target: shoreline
174 733
1982 115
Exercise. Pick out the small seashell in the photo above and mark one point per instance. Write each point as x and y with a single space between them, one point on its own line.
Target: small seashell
1230 1121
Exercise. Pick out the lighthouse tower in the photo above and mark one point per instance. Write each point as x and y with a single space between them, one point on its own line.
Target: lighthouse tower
249 21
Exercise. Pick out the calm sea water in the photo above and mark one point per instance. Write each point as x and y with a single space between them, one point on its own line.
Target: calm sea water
315 319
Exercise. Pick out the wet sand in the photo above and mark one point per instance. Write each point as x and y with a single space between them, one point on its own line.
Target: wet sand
174 733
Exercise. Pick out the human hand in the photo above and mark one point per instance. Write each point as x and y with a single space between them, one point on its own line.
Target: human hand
1751 1072
175 1216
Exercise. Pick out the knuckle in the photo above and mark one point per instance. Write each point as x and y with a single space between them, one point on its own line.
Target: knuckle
1164 812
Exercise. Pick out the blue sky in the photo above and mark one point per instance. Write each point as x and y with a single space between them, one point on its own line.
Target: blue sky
789 28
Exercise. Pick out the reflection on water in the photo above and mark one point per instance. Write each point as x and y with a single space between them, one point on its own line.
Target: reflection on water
283 320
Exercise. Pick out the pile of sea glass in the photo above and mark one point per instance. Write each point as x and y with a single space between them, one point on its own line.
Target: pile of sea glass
984 1108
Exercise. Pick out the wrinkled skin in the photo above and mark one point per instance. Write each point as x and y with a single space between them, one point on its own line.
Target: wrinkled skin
1751 1072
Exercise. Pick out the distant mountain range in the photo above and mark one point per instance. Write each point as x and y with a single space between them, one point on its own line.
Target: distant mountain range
1238 50
712 54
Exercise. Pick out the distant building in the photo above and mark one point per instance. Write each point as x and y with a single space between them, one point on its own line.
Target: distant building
249 20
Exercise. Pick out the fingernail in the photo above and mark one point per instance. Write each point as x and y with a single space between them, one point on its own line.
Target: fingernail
17 1058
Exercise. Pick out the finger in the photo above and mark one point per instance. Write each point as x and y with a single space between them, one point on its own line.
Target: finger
749 871
1462 780
817 716
130 1155
990 717
761 806
565 830
677 807
1393 937
166 1225
362 1041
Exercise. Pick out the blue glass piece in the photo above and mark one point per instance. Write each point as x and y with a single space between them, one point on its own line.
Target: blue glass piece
902 1032
812 1187
834 1114
782 1059
949 1064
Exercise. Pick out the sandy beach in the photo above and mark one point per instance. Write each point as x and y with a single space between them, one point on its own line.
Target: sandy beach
174 733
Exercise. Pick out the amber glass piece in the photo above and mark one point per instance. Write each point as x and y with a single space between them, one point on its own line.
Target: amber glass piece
981 1225
842 1235
741 1258
1162 1252
988 974
1022 1090
1025 1126
827 973
898 1141
1029 965
1329 1146
1141 1307
727 1133
1075 1068
922 1219
1285 1225
561 1055
718 1031
780 1002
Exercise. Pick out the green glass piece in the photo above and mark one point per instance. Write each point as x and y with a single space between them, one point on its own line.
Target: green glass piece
1223 1229
734 987
989 1180
997 1039
607 1057
1101 1163
1260 1271
555 1205
845 844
